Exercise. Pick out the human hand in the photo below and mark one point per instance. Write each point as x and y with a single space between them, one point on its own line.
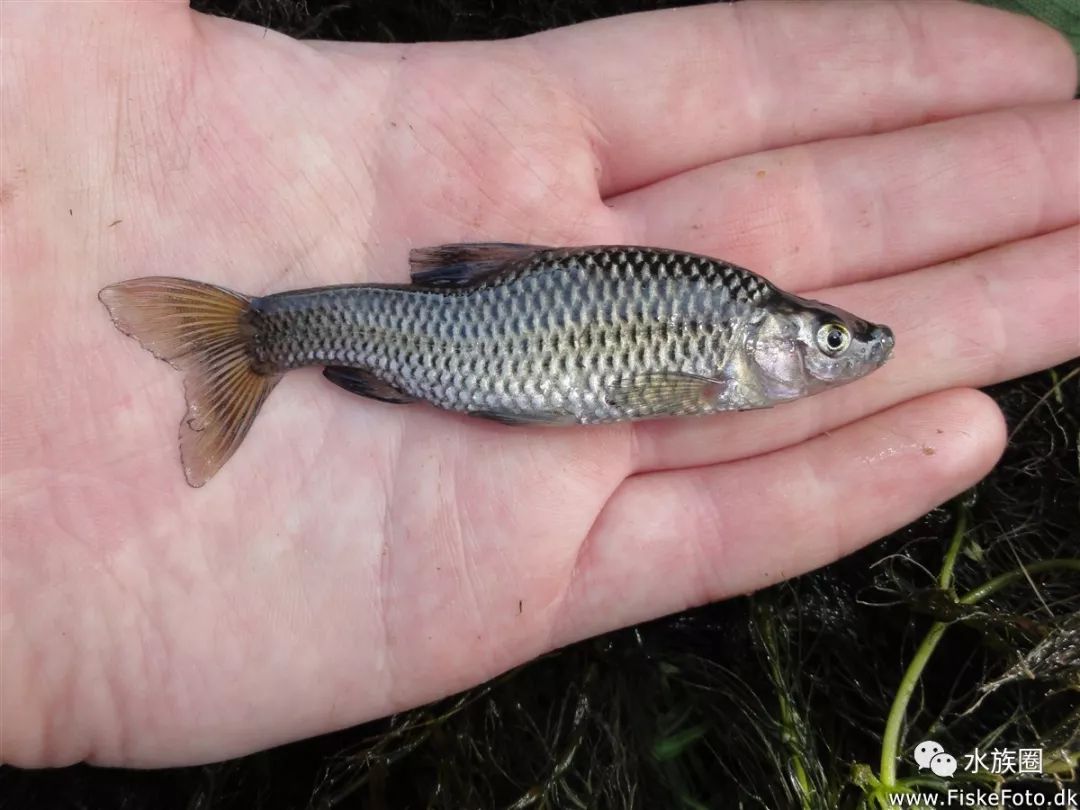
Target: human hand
356 558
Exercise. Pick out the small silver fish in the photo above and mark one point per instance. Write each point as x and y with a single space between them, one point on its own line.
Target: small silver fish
522 334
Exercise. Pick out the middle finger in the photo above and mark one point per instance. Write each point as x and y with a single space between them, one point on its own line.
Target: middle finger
839 211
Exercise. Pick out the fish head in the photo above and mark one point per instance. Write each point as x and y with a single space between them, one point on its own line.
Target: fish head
799 347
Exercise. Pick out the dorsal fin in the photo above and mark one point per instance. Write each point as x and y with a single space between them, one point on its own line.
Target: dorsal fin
467 264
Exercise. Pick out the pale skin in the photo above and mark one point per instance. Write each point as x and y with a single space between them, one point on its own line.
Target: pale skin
914 163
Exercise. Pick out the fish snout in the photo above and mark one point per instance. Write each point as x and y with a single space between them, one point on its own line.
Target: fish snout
882 340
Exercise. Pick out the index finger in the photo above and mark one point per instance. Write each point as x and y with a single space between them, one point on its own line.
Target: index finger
666 91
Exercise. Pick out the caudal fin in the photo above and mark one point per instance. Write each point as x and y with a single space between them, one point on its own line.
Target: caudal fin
201 330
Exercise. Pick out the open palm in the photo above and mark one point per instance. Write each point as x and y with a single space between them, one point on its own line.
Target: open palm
356 558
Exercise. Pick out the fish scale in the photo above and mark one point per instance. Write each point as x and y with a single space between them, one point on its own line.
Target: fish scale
518 333
620 312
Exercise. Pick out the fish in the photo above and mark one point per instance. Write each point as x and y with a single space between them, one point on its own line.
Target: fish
520 334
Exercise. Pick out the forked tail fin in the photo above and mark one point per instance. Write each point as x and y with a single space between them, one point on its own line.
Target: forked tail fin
201 330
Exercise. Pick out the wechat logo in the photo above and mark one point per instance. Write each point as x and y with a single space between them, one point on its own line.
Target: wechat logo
929 754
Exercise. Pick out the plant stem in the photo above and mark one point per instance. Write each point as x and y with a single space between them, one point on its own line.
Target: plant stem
890 741
957 542
1055 391
1009 577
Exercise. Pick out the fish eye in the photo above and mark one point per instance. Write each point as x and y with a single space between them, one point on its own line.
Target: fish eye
833 338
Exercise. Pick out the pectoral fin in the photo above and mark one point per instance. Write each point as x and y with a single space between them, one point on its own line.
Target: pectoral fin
365 384
534 418
663 394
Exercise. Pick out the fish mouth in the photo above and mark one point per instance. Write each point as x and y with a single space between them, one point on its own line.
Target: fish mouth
883 342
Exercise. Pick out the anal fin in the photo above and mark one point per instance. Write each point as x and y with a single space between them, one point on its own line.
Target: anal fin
366 384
